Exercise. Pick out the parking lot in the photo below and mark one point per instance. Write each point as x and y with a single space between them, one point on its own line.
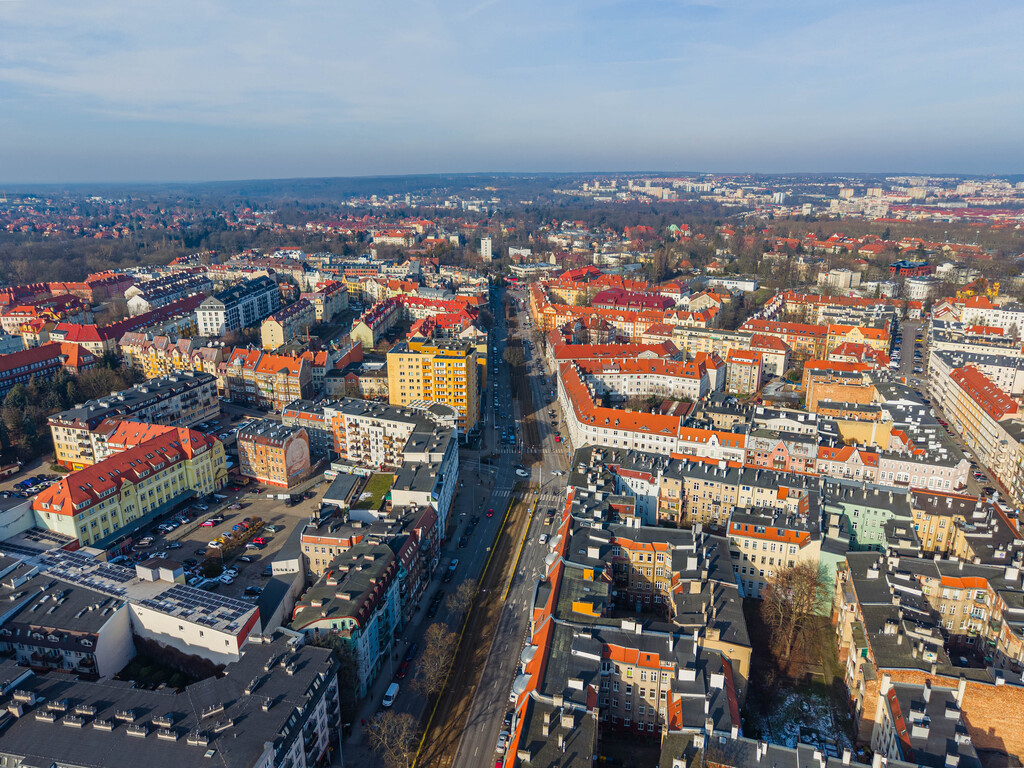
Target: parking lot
190 543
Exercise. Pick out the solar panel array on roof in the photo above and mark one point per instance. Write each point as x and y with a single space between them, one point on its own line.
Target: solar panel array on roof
216 608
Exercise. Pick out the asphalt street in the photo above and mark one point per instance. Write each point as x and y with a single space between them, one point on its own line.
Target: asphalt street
491 700
482 488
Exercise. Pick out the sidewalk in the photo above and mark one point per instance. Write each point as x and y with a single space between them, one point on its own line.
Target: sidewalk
355 750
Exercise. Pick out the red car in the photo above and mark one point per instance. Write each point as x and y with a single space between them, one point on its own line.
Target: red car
403 670
259 540
490 513
558 439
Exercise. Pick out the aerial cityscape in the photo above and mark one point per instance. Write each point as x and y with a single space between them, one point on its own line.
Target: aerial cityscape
511 384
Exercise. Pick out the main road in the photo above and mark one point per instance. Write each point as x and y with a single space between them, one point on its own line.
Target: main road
482 487
491 700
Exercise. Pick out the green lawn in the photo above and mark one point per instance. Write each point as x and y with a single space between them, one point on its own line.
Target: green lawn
376 488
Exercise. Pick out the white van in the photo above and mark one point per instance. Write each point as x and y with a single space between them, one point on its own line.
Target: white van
390 695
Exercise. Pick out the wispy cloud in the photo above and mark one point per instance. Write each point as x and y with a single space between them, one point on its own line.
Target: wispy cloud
433 84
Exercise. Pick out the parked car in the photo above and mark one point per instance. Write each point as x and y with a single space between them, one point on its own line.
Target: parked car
247 559
227 579
273 528
403 670
254 546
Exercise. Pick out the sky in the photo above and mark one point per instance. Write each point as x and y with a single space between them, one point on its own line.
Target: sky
136 90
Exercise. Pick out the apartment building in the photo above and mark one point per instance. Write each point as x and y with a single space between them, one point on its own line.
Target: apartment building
150 294
311 416
179 400
102 503
54 309
979 310
633 675
1005 371
159 355
69 634
356 601
903 617
767 541
263 380
775 354
781 450
276 705
274 454
975 407
42 363
370 434
442 371
743 372
804 339
922 724
96 288
625 378
239 306
706 493
292 322
374 324
329 300
868 511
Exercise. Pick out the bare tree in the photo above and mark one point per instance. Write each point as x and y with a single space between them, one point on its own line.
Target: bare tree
792 604
461 599
393 737
439 649
514 356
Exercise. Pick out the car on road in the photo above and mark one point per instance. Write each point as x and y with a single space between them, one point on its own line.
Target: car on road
522 473
403 670
390 695
543 538
502 742
490 513
558 439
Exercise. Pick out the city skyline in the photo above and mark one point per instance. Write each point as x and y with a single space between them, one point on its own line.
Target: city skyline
127 93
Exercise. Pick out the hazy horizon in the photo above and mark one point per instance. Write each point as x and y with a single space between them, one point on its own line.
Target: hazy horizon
143 92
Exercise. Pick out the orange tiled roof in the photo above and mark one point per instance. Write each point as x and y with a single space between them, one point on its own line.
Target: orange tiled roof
984 392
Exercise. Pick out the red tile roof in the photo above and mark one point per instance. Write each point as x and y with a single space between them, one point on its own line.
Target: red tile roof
985 393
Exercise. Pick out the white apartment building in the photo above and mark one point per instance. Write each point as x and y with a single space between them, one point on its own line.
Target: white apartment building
239 306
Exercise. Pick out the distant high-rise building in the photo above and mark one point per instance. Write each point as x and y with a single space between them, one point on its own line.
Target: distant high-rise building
485 248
